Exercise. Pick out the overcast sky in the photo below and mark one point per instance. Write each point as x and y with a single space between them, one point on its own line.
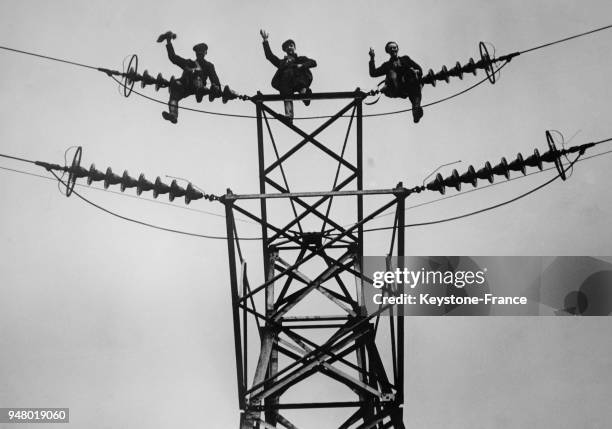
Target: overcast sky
131 327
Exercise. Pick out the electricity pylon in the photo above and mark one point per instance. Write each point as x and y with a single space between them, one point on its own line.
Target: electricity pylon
299 264
346 349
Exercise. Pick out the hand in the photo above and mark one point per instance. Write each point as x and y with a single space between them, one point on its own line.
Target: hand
264 35
371 53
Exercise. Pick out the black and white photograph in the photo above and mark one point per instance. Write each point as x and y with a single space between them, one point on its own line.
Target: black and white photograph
339 214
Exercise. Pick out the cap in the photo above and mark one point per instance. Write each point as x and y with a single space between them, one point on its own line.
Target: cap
286 43
387 46
201 47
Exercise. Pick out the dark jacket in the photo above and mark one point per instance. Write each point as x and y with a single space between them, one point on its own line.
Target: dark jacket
289 78
402 63
191 71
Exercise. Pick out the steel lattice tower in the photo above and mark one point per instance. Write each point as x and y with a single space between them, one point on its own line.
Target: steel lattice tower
349 352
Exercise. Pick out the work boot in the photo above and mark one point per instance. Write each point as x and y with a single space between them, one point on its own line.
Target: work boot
169 117
417 114
172 114
228 94
167 36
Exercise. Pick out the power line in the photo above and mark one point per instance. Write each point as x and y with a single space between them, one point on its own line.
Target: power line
585 158
191 109
367 115
17 158
482 188
471 176
304 117
579 158
566 39
380 216
61 60
209 112
486 209
441 99
26 173
122 194
465 215
150 225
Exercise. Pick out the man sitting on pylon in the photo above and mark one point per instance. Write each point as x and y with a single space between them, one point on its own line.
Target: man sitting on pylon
193 79
403 78
293 72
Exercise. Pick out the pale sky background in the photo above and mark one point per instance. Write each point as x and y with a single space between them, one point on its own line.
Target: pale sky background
131 327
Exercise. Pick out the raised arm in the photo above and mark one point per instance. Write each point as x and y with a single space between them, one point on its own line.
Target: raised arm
267 51
175 59
375 72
